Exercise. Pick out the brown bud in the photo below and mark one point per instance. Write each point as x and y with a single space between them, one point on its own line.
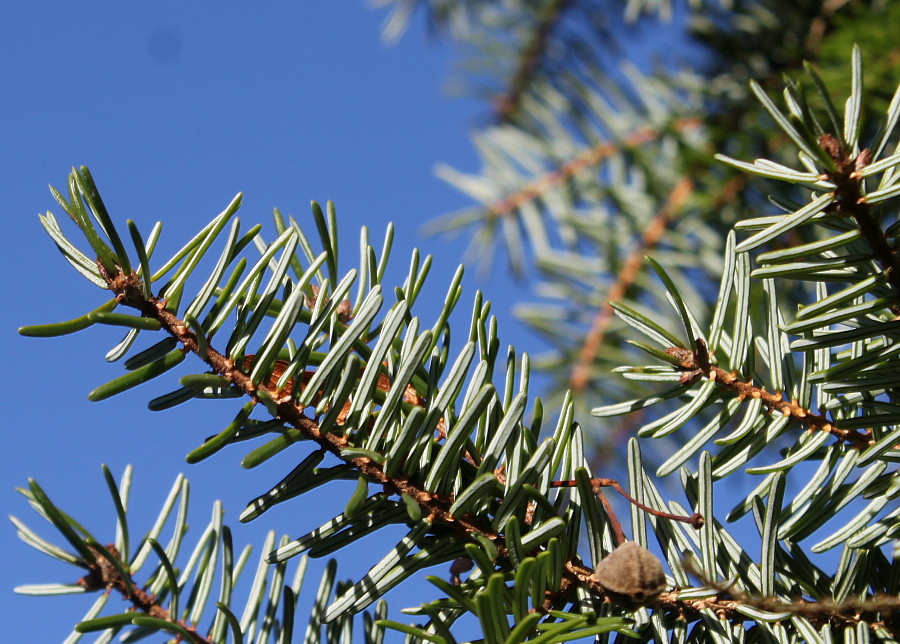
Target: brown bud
684 356
631 576
344 309
831 146
862 159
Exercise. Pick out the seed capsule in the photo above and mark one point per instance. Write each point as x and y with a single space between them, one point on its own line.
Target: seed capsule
631 576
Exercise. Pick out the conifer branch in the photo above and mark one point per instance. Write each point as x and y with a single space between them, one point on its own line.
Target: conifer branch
726 605
129 291
695 365
478 486
825 610
586 159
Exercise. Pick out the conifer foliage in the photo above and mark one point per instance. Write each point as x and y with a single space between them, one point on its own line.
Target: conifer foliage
776 361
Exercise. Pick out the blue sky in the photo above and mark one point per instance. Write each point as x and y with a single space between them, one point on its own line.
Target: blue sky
176 107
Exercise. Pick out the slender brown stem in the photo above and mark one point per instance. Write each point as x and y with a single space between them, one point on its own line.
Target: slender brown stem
695 520
103 575
696 364
590 157
613 519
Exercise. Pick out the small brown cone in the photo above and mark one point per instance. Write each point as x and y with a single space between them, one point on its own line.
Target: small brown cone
631 576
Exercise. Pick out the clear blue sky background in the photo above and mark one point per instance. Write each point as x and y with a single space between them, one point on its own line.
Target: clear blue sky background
175 107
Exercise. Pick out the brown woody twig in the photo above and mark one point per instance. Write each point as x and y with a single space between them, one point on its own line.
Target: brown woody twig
850 202
695 364
103 575
590 157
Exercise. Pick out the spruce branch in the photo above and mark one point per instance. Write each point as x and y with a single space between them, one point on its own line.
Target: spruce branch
433 517
727 605
821 611
637 181
695 365
129 291
586 159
